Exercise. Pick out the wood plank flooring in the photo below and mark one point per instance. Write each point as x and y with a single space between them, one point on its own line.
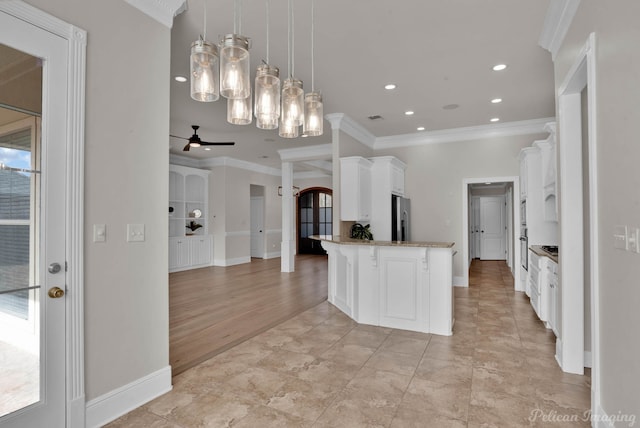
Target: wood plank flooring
213 309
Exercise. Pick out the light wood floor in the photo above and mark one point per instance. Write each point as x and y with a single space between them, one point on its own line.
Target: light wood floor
213 309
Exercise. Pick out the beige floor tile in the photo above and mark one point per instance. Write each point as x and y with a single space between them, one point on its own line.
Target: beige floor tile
491 382
350 410
303 399
329 372
366 338
285 361
141 418
256 384
399 343
410 418
448 400
372 383
445 372
501 410
212 411
404 364
264 416
347 353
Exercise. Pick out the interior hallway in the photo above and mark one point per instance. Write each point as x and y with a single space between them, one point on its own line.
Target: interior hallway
321 369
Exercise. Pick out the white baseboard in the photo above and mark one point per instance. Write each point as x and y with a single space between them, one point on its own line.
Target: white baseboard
112 405
588 359
458 281
232 262
559 351
599 419
273 255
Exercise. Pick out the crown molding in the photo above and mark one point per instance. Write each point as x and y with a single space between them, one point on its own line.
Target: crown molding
183 161
507 129
241 164
162 11
294 154
309 174
556 24
349 126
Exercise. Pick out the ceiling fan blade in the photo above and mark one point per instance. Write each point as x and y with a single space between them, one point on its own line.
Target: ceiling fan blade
175 136
222 143
187 147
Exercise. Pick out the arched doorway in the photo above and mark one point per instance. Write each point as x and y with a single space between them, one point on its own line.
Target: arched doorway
315 214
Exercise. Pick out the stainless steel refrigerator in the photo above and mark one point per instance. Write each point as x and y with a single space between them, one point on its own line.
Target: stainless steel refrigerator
400 224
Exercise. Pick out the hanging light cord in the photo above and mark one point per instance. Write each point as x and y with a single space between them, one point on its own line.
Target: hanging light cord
268 7
237 11
313 19
204 25
290 34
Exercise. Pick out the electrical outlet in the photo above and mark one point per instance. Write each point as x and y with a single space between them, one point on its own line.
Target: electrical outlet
620 237
135 232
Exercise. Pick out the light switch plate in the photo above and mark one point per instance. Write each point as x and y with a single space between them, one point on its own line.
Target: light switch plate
620 237
633 239
99 232
135 232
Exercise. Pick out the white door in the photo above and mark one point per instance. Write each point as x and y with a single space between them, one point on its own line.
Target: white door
257 226
492 227
32 241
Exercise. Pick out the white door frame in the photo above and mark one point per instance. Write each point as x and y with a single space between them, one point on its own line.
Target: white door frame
76 40
465 223
570 346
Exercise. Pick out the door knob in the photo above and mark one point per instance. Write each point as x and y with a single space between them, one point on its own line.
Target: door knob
56 292
54 268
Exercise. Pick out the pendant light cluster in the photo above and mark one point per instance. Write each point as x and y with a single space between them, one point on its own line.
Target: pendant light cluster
227 73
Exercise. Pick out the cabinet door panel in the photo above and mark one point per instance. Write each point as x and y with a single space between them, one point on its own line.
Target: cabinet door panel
201 250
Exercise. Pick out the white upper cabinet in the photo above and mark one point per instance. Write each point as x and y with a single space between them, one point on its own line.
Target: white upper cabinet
355 189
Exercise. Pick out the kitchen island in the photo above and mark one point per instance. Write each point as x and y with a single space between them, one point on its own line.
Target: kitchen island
404 285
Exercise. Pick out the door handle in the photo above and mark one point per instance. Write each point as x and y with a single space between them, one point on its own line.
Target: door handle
56 292
54 268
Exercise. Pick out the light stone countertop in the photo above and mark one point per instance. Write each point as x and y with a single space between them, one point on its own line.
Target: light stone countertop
337 239
537 249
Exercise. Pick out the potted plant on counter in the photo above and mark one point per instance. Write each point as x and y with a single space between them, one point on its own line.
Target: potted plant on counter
359 231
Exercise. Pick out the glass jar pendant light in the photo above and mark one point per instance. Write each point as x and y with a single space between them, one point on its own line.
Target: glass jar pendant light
239 112
267 90
267 98
234 62
205 73
292 98
313 109
313 114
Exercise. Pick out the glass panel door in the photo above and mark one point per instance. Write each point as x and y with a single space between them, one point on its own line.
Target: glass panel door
19 278
315 207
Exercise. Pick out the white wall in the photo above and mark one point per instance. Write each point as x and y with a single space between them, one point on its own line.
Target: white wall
617 93
434 176
126 181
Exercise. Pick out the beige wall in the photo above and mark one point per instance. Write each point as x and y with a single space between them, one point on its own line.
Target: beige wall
126 181
434 176
229 204
617 116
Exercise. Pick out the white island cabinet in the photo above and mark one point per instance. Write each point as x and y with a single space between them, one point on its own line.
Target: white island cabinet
404 285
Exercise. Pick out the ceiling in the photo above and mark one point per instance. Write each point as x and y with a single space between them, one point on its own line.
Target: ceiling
437 52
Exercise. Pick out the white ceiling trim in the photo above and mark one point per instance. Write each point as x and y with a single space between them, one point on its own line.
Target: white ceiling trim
162 11
352 128
309 174
508 129
294 154
237 163
556 24
321 165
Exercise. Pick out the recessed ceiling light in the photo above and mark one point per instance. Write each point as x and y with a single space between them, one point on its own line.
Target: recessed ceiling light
390 86
180 79
408 112
499 67
264 157
496 100
207 148
450 107
495 119
420 128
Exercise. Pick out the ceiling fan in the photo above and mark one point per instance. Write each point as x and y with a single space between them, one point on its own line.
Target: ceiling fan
195 141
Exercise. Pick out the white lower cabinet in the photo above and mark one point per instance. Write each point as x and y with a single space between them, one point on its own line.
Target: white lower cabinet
534 283
190 251
403 283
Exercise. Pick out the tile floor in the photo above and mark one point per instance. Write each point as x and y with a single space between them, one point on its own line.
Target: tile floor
321 369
